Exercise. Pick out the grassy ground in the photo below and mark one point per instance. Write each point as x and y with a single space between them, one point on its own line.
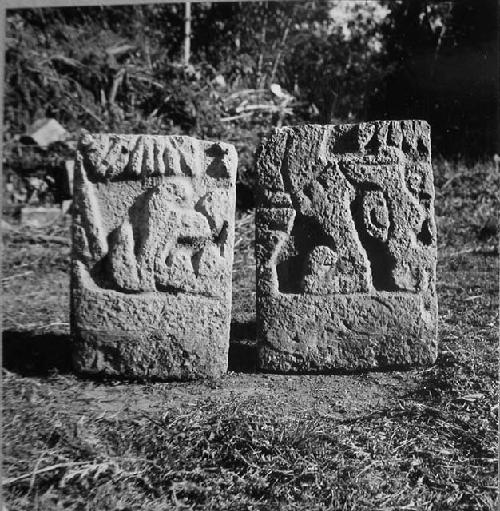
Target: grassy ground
417 440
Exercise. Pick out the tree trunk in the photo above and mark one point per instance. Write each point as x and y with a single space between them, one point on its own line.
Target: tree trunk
187 33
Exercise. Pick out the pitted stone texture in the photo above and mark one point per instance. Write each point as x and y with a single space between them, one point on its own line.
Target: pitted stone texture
346 247
153 237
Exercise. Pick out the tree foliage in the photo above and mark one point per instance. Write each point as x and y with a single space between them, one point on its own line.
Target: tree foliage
441 61
120 68
336 66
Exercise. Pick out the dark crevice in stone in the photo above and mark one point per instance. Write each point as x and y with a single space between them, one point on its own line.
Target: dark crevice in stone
406 147
137 216
394 135
425 234
373 146
217 168
166 288
216 151
424 198
309 191
136 242
422 148
290 273
221 239
194 242
201 209
345 139
381 261
101 275
306 234
185 167
195 262
169 259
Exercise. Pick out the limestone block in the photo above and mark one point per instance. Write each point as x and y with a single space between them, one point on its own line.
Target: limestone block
346 247
38 217
153 235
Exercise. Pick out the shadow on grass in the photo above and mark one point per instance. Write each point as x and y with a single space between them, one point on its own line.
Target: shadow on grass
437 380
31 354
243 347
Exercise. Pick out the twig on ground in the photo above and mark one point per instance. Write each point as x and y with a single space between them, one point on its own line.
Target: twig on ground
57 323
455 177
33 473
17 275
40 238
475 251
92 114
235 117
35 468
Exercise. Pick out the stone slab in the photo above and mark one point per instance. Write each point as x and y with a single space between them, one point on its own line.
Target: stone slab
346 248
153 236
39 217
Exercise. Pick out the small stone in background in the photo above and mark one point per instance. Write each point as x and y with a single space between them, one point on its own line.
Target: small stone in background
38 217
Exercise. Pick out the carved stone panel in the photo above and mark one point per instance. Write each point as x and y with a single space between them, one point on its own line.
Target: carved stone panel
153 236
346 247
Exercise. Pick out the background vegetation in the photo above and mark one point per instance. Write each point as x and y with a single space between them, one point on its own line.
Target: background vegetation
121 69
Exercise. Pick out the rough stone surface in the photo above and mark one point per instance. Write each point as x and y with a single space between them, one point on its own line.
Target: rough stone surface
346 247
153 235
